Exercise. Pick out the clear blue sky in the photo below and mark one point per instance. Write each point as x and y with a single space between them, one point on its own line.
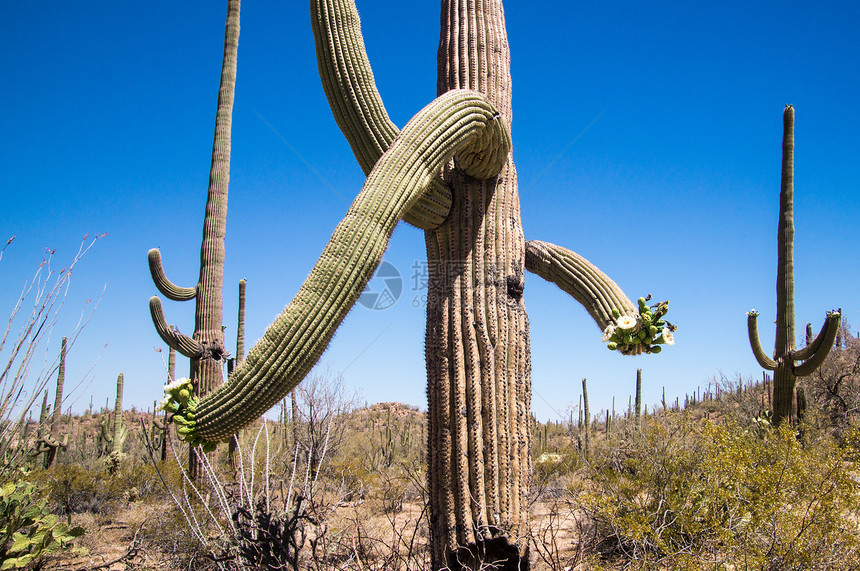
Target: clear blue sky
673 190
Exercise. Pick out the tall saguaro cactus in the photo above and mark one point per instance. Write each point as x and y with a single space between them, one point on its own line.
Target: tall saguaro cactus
205 348
51 442
788 362
450 172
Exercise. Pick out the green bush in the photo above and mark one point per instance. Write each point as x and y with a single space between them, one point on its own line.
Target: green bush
706 496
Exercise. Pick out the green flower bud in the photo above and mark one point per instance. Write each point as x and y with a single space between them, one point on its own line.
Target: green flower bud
612 345
653 331
656 349
642 334
184 394
209 446
646 319
615 313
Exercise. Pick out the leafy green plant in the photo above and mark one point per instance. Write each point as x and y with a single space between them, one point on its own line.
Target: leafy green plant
29 531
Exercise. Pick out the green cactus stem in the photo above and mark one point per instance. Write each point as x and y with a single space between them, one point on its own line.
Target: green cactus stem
788 362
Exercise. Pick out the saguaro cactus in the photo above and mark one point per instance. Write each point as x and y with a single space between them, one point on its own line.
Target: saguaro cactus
50 443
638 400
205 348
788 362
477 342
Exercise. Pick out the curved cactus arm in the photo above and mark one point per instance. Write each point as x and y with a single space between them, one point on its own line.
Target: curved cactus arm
459 123
760 356
626 328
348 82
164 285
181 343
581 279
813 344
47 442
823 343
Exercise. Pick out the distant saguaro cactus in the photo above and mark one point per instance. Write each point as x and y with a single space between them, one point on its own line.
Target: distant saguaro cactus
450 172
113 431
788 362
205 348
50 443
638 400
587 414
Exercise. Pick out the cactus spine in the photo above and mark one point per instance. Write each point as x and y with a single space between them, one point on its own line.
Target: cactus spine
785 355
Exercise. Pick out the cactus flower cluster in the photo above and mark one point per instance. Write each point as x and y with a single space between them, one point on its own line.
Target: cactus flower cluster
643 333
178 401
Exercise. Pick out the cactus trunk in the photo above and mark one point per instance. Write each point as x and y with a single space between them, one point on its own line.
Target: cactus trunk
477 349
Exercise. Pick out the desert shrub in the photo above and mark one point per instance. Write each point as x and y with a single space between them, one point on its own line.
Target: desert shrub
703 495
75 489
28 532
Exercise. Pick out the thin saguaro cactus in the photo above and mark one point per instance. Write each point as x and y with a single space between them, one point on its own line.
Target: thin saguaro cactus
788 362
450 172
51 442
638 400
205 348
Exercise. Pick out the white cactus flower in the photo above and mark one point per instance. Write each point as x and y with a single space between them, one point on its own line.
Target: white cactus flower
626 322
607 333
668 337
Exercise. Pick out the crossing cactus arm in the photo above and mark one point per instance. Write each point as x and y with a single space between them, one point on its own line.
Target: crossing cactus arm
183 344
356 104
460 124
164 285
